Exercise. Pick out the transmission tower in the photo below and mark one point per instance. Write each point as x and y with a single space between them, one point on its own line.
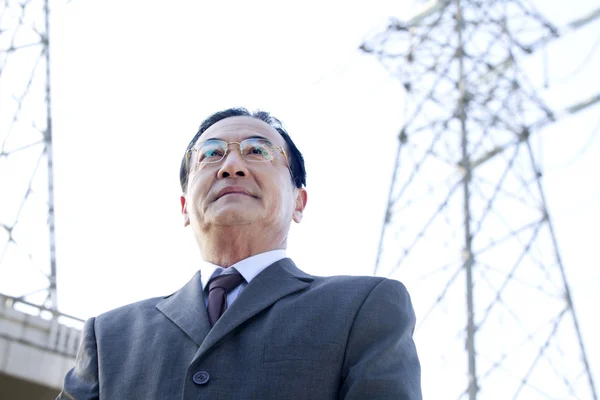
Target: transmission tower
467 225
27 229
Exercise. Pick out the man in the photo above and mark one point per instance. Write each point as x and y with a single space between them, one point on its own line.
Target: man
250 324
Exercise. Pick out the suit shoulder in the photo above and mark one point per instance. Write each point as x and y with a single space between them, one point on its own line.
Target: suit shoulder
352 282
128 311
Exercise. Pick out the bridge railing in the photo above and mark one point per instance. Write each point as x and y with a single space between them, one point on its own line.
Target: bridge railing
38 326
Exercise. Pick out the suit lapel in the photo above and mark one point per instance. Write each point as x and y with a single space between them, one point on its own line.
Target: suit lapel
186 309
275 282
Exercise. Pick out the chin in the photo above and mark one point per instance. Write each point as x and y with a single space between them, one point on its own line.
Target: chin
236 217
235 213
233 222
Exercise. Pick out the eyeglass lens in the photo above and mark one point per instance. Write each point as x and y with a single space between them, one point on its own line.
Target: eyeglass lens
256 150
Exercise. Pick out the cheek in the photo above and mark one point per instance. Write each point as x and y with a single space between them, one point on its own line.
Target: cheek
282 198
198 190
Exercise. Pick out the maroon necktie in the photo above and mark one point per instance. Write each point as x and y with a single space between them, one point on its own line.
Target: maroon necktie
217 294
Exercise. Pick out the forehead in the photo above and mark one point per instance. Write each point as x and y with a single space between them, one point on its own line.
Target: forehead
240 128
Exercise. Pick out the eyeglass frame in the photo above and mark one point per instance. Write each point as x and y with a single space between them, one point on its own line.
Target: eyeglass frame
275 147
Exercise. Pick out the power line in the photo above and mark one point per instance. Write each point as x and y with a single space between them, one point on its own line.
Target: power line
583 64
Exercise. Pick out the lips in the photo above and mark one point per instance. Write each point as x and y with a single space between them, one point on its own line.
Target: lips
232 190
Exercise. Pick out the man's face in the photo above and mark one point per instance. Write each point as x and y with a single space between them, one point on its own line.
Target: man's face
236 191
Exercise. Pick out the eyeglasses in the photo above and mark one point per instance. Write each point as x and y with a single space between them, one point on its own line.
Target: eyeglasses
253 150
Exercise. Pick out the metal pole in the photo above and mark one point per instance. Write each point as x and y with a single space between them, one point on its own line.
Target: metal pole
52 292
388 208
466 165
588 370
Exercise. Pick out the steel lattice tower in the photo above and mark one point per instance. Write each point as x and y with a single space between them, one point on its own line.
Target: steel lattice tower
27 228
467 226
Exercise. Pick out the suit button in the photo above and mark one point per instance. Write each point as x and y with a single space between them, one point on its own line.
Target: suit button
201 377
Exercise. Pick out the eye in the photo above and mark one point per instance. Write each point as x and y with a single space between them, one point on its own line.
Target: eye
258 152
211 153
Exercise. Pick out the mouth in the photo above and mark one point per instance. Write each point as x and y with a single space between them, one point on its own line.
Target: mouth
232 194
232 191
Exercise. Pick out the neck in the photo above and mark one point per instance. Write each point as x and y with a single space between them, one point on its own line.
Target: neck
227 245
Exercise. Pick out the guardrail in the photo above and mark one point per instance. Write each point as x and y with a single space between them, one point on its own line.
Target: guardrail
38 326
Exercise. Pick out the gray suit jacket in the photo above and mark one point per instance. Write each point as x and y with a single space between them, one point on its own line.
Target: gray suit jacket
289 335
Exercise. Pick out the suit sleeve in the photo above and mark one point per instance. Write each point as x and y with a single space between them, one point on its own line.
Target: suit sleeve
81 382
381 359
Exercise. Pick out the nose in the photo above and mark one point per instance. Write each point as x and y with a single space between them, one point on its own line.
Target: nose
234 165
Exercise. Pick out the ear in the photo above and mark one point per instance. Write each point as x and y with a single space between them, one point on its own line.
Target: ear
301 199
186 217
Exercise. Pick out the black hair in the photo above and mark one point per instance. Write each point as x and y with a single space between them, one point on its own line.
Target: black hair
295 157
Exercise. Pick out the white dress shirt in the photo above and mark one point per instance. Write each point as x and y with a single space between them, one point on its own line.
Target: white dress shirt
248 268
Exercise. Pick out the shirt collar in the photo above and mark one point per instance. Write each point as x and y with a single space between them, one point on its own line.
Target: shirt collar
248 267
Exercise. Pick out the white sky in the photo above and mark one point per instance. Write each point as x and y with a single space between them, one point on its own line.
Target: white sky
133 80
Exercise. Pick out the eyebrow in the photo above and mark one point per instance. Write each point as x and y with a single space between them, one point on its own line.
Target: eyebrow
249 137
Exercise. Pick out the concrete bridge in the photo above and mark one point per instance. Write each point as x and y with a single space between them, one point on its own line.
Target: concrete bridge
37 348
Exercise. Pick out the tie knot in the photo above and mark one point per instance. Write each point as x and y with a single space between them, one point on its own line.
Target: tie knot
226 282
